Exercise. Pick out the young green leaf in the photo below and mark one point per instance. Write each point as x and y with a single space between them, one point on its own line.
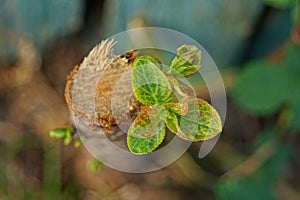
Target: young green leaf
201 122
59 133
68 138
187 60
62 133
140 145
150 85
147 131
146 122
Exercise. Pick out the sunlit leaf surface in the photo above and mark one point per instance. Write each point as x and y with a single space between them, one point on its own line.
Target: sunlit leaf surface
147 131
187 60
150 85
201 122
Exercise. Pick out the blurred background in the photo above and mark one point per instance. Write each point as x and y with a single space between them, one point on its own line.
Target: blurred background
255 44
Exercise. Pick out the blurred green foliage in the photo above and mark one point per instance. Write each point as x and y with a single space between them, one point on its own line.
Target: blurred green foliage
67 135
261 184
263 88
266 89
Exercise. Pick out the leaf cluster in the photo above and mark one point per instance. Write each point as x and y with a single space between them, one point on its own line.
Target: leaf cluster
167 102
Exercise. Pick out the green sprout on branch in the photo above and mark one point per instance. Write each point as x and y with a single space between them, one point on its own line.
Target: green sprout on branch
67 135
167 102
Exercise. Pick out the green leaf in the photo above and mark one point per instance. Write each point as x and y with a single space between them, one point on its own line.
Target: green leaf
59 133
139 145
147 131
201 122
147 121
62 133
68 138
261 88
150 85
187 60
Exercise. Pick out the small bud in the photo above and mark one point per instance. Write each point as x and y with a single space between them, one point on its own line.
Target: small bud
68 138
62 133
59 133
187 60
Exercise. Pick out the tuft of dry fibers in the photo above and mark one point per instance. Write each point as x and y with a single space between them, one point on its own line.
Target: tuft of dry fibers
90 85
